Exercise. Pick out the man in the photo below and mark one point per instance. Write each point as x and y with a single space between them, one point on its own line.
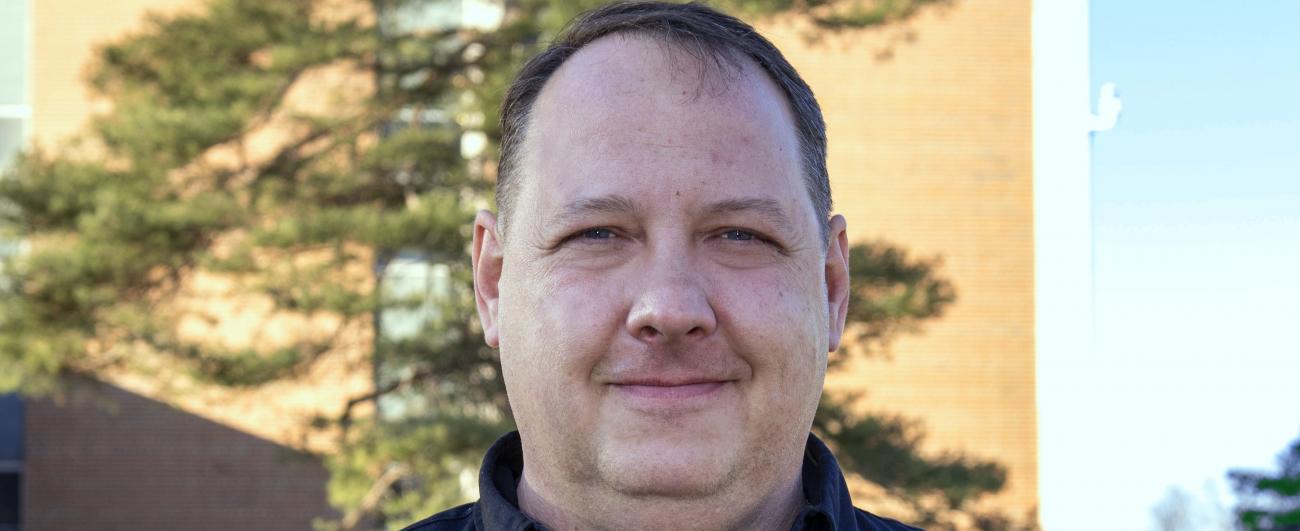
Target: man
664 280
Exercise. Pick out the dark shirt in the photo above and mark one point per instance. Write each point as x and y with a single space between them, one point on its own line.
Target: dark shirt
827 507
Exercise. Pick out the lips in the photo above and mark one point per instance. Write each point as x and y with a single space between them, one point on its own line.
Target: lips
654 390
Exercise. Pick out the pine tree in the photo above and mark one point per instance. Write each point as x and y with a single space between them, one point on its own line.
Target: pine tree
1270 502
310 152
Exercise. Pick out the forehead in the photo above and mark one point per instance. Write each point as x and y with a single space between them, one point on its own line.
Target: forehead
630 111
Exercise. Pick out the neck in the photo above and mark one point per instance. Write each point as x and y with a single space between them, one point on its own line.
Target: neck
605 510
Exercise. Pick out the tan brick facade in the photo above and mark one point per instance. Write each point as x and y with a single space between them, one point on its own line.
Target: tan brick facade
64 36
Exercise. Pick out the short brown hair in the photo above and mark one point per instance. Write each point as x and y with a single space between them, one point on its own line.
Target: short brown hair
707 34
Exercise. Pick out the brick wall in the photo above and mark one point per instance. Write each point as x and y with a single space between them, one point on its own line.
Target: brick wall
108 459
64 35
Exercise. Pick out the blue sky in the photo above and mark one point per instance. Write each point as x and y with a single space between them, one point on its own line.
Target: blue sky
1196 211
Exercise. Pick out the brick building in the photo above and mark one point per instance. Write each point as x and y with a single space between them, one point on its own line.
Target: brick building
932 147
107 458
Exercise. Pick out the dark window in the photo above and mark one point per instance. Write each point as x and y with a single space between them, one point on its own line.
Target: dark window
10 483
11 430
11 461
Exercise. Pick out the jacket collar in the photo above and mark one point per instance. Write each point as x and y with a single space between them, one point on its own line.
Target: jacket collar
498 483
827 502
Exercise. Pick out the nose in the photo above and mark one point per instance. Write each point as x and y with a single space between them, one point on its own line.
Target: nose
670 303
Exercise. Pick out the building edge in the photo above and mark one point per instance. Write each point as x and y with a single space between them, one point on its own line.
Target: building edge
1063 274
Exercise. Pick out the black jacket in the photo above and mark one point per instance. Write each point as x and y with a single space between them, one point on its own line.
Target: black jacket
828 504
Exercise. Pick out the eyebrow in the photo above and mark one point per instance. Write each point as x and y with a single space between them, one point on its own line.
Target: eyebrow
767 208
609 204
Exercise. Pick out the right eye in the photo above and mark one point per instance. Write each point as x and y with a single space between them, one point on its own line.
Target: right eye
598 233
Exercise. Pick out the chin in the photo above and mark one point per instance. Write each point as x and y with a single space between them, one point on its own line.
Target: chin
670 471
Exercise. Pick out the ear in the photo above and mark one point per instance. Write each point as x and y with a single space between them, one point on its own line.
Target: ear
837 280
487 261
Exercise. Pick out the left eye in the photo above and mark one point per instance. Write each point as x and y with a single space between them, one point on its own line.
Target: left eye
738 235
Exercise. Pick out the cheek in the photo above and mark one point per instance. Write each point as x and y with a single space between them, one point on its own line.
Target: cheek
777 305
779 326
553 331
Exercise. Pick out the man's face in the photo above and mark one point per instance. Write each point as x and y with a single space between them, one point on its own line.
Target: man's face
663 300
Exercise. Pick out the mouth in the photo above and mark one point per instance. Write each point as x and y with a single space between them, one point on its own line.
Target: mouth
672 398
668 391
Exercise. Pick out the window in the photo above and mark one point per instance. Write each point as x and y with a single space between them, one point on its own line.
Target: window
14 110
426 15
411 275
11 139
11 462
416 286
